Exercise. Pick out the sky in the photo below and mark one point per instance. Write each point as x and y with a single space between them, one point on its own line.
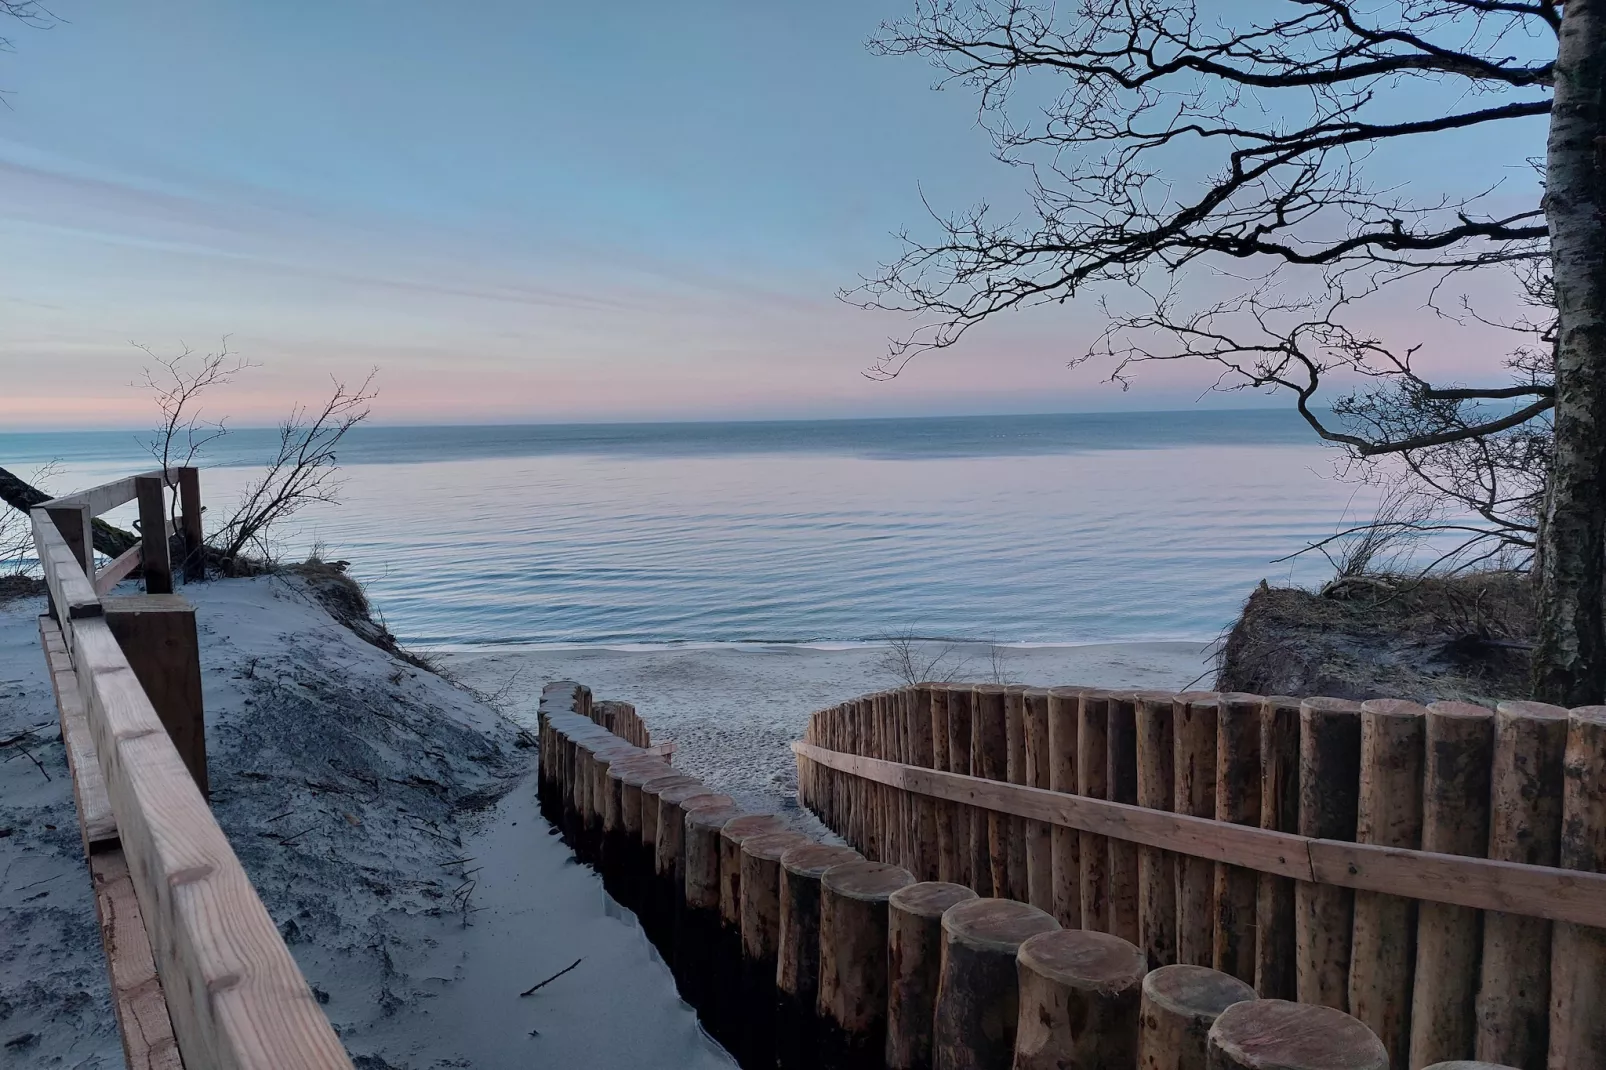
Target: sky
516 211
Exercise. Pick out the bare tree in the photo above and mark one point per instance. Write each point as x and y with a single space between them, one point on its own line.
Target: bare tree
17 553
912 660
1167 138
302 471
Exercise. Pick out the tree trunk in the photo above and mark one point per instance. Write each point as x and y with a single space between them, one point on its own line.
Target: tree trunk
1570 658
23 496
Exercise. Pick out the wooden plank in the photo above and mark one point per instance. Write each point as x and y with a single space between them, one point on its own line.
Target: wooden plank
237 999
137 995
1270 852
71 592
118 569
1481 883
156 561
189 499
96 825
108 496
158 636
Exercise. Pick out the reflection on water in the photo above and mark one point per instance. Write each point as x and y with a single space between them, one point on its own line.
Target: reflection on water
850 535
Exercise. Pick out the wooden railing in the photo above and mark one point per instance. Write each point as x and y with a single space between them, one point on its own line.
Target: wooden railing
200 975
1427 869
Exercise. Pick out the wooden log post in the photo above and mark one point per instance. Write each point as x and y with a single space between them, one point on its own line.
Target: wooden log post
959 747
921 750
852 1000
1469 1064
978 998
1329 782
634 867
1238 802
1039 844
1092 779
1525 789
1180 1004
990 747
1121 783
189 522
697 933
658 888
1195 769
1065 858
158 636
726 1007
797 967
1578 956
1389 813
1154 714
946 812
1273 1034
914 967
1279 811
1016 773
1079 995
761 938
155 559
1455 820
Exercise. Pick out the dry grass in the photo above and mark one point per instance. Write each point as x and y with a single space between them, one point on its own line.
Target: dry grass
1465 636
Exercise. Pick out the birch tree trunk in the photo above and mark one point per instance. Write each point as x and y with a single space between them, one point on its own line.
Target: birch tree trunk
1570 659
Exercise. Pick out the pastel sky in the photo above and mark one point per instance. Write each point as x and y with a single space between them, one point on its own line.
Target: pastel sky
516 210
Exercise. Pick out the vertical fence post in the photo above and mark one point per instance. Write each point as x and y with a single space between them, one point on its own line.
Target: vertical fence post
1279 811
947 853
1039 848
1092 775
189 520
1513 1008
990 739
1016 773
159 638
1064 713
1237 801
1455 820
1578 967
1389 814
155 562
1195 769
77 529
1121 785
1157 888
1329 779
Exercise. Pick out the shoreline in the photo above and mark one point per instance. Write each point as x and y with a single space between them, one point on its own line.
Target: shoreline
734 712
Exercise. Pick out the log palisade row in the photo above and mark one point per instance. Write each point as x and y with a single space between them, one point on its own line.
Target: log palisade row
897 950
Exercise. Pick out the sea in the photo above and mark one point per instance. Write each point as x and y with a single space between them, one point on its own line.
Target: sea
1030 529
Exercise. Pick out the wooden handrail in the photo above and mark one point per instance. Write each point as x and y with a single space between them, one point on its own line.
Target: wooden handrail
1481 883
108 496
71 590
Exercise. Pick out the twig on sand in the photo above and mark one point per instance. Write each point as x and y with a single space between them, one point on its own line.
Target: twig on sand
533 989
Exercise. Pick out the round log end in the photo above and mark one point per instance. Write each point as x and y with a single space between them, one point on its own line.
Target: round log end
1595 716
1084 960
770 846
709 817
1469 1064
813 859
1273 1034
1194 992
867 881
1460 709
1529 711
1393 707
675 795
707 800
995 925
738 829
929 899
661 784
1323 704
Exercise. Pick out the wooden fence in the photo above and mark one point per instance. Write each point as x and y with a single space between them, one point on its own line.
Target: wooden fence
1431 871
801 954
200 976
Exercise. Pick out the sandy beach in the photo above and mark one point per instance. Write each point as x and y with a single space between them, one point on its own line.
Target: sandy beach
734 710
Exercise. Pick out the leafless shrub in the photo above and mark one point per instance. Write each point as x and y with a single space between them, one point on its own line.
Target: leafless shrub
997 656
913 660
301 472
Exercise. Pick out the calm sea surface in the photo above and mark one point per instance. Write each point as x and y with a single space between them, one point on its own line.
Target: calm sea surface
1039 529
